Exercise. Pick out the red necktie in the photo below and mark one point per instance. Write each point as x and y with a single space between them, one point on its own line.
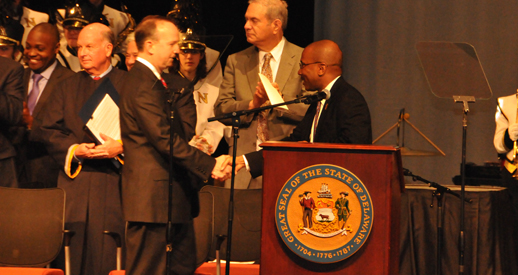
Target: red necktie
163 83
96 78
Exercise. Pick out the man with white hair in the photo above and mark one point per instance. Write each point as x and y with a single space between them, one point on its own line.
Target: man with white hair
90 175
277 59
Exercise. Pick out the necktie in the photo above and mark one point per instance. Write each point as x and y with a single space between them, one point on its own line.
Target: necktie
163 83
266 70
96 78
262 120
35 92
315 121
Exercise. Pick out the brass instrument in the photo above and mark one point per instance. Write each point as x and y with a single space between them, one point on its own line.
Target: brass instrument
130 27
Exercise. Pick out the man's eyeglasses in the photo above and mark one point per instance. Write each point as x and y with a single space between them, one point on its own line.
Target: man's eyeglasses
302 64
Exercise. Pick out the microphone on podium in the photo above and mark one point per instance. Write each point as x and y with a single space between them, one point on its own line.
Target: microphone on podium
317 97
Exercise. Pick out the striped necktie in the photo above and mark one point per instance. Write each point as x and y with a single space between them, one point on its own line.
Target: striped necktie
262 120
315 121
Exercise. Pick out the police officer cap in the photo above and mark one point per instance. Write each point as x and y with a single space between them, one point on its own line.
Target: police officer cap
11 32
74 17
191 41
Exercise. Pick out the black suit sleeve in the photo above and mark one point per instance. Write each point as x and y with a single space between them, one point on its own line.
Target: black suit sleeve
354 124
255 162
184 106
11 95
149 114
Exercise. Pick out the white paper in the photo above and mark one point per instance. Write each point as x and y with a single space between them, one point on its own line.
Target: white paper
273 94
105 119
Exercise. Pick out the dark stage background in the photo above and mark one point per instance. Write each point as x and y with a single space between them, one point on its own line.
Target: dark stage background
220 17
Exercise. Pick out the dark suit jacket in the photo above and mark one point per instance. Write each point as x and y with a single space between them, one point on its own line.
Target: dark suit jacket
93 196
11 102
34 164
61 125
344 119
146 139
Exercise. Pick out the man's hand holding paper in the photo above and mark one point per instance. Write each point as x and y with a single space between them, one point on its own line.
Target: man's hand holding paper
109 149
89 151
110 146
260 97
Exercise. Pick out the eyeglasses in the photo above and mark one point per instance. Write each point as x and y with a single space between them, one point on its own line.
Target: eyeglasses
302 64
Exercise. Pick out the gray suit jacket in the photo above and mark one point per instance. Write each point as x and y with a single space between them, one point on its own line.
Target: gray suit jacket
238 88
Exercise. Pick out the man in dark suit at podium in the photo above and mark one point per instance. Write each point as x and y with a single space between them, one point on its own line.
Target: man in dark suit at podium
342 117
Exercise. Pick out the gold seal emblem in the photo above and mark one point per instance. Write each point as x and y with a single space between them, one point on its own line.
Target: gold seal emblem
324 213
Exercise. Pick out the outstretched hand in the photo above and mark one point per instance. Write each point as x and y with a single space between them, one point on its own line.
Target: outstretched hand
222 170
240 163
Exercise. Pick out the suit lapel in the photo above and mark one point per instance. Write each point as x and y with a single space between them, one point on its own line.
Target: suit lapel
312 110
285 66
55 78
26 80
252 69
325 117
147 73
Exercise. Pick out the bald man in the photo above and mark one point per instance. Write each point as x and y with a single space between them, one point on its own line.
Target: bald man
341 118
89 174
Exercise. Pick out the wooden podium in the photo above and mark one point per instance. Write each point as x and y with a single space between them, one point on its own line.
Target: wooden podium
378 167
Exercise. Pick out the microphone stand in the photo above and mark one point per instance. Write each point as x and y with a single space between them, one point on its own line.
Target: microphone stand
169 233
236 121
462 241
439 194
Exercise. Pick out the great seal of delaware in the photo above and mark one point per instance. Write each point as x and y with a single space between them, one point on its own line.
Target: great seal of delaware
324 213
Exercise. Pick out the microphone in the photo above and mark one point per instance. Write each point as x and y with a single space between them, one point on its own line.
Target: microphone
407 172
317 97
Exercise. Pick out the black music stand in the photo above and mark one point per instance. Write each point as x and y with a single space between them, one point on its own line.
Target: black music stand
453 70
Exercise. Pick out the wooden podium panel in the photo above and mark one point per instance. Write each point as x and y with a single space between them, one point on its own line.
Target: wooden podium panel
378 167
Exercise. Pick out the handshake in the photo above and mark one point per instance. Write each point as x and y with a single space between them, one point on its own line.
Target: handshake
223 168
